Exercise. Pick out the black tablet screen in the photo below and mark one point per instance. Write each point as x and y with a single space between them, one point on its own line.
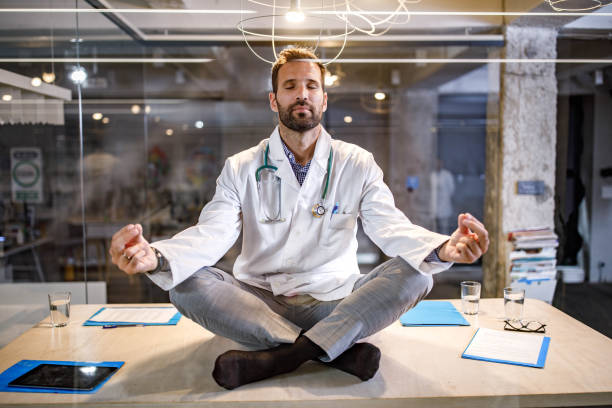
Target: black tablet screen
68 377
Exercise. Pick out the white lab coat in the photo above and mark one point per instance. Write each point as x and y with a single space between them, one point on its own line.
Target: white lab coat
304 254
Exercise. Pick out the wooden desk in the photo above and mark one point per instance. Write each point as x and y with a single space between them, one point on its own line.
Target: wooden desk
420 367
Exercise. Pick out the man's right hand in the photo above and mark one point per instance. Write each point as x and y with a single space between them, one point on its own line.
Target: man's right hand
131 252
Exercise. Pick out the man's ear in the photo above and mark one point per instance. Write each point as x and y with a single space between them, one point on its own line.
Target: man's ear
273 104
324 101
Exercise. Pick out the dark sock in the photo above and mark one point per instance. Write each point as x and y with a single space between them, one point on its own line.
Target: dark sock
235 367
361 360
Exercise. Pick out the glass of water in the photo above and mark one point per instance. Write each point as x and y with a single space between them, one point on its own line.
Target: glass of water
514 299
470 297
59 305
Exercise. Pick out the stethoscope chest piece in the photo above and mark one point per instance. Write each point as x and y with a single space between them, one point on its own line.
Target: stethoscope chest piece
318 210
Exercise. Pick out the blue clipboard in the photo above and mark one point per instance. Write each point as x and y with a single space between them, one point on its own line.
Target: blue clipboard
23 366
173 320
433 313
539 364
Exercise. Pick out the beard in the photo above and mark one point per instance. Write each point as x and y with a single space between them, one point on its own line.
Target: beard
299 121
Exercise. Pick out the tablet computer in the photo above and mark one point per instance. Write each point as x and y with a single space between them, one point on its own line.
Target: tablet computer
64 377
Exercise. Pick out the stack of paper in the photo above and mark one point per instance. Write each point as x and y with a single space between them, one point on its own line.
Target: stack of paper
534 260
534 254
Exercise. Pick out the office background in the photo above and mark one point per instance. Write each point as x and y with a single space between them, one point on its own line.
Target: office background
171 91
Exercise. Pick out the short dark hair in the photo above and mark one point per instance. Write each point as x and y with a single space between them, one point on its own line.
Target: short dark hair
292 54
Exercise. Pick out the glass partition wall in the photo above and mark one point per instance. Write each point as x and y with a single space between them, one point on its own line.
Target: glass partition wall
110 118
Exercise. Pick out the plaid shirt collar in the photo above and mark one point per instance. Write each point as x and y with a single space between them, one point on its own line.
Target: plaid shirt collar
299 170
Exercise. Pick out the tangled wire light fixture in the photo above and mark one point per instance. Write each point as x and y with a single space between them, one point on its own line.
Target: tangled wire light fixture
348 12
558 5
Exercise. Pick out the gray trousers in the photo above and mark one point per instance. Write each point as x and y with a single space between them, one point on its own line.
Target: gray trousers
256 318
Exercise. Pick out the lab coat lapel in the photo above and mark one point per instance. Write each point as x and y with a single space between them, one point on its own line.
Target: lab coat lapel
279 159
321 153
313 186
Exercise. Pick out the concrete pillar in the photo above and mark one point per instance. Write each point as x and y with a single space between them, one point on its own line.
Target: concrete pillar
412 152
524 149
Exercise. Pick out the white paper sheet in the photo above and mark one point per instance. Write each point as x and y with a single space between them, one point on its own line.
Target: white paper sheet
506 346
135 314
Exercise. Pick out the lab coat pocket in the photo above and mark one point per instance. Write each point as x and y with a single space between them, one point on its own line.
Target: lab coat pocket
341 221
339 230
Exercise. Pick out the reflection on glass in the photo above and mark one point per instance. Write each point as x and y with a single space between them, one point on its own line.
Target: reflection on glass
269 188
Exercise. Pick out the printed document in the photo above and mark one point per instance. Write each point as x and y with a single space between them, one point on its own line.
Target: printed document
506 347
135 314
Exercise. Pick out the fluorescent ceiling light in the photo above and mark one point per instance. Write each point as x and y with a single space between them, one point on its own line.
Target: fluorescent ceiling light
322 12
460 13
111 60
339 60
465 61
122 11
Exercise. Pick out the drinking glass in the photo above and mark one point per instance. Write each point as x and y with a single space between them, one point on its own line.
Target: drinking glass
514 299
59 306
470 297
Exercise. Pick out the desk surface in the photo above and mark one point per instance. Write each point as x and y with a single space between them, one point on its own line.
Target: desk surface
421 367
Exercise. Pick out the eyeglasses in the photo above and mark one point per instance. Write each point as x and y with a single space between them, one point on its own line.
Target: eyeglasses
531 326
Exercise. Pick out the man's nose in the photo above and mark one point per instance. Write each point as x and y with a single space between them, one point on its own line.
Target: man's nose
302 93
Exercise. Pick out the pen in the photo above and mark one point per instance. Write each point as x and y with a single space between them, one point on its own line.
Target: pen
335 210
114 326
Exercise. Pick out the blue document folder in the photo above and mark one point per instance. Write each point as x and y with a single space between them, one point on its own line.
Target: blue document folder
496 346
433 313
170 322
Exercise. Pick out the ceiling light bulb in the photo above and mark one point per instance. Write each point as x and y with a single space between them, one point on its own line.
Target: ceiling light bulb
48 77
36 81
199 124
348 119
7 97
135 109
295 14
78 75
105 121
148 109
330 79
379 96
97 116
157 119
169 132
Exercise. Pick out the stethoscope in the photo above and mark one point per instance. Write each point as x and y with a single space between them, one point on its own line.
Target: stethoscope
318 210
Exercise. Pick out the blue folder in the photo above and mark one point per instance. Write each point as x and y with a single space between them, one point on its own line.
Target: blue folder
173 321
433 313
539 364
23 366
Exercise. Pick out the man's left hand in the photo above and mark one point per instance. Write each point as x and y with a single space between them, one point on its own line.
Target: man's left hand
469 241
